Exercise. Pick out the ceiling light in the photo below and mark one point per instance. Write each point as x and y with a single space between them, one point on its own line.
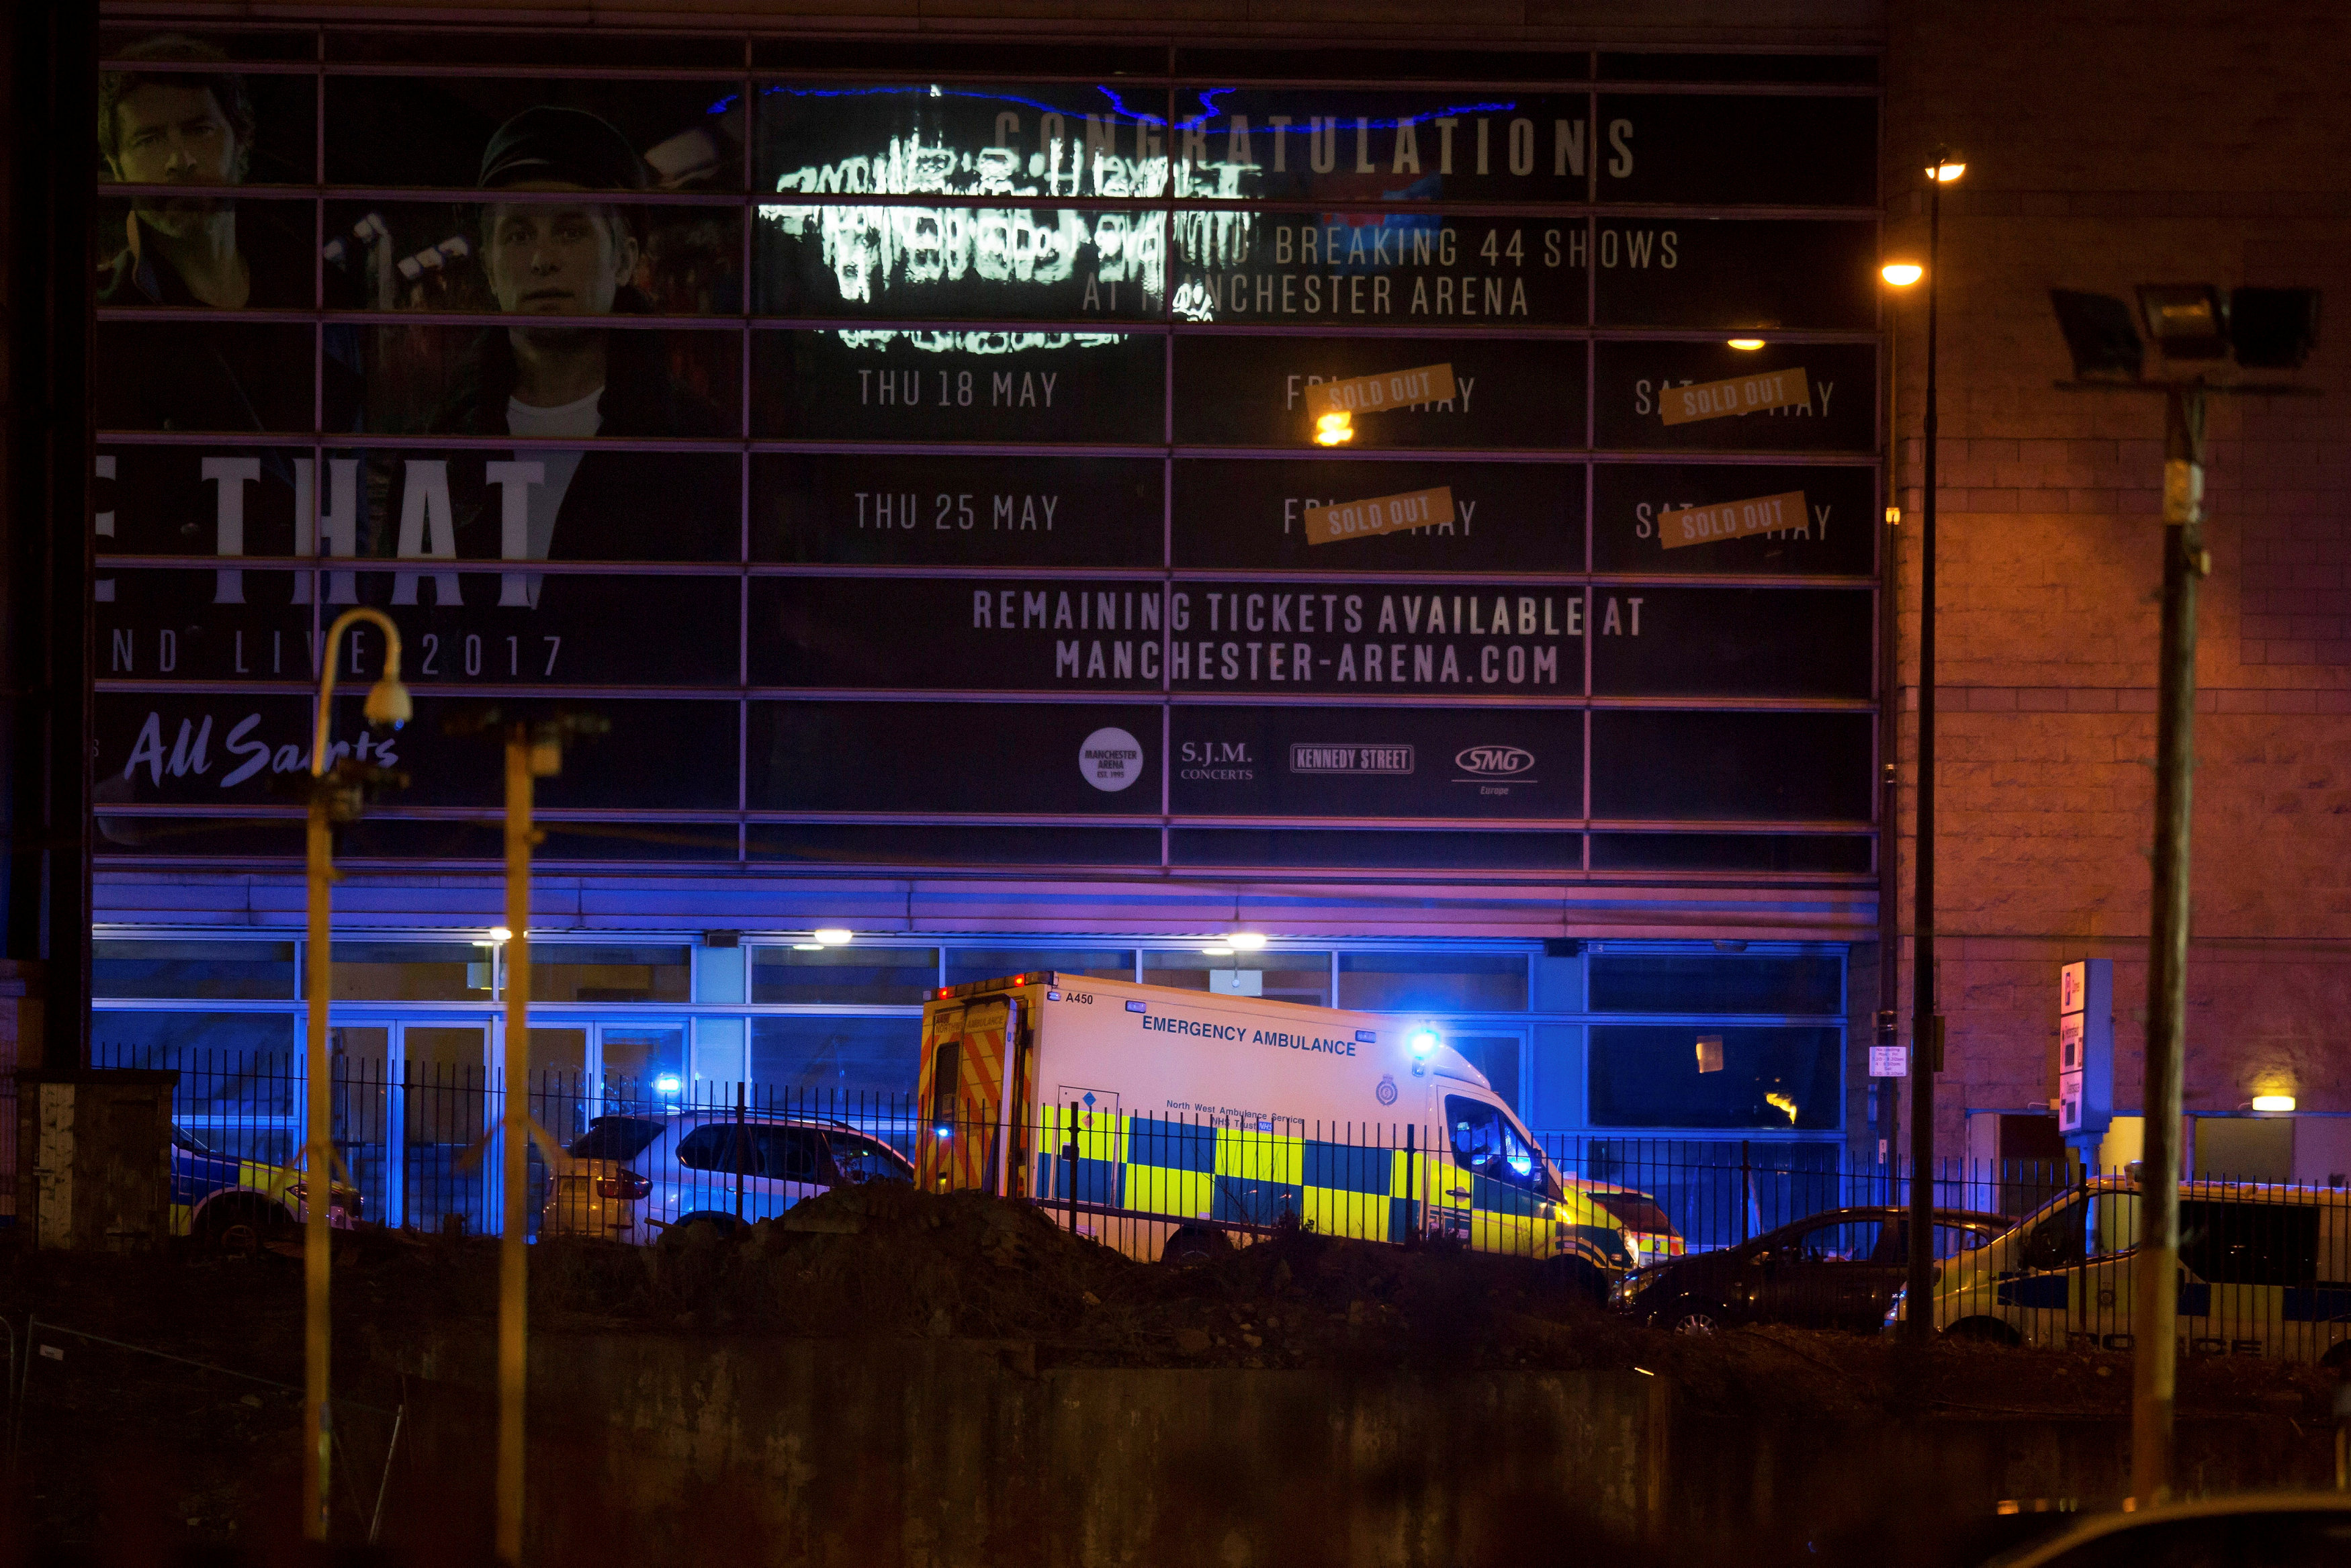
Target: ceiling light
1218 952
808 947
2099 333
1750 343
1902 274
2187 320
501 934
1247 941
2273 1102
832 936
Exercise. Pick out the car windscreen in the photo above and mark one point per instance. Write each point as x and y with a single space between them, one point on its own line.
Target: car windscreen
1635 1213
616 1137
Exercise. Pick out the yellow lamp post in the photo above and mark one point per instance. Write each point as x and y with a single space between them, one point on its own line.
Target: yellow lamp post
333 800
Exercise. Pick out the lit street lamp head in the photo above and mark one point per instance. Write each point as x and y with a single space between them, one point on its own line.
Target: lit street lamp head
1901 274
1946 167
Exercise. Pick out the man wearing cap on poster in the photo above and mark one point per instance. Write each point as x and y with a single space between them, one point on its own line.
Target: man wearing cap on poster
564 381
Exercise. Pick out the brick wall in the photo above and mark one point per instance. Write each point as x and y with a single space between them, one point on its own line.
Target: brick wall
2112 143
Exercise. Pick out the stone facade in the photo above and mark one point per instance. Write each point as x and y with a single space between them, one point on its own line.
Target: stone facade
2110 144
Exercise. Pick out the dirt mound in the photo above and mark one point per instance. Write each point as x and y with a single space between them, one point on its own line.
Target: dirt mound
893 1261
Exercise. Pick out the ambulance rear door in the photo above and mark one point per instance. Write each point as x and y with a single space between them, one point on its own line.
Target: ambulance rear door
966 1044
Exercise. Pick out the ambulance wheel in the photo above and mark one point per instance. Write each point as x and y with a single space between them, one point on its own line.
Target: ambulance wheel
243 1223
1574 1277
1697 1324
1983 1331
1194 1245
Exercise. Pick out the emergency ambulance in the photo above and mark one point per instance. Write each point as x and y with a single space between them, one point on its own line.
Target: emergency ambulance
2264 1270
1168 1123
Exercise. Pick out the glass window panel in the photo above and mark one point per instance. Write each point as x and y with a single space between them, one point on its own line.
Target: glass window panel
1302 977
560 1096
999 263
852 973
1497 1057
566 972
449 132
1764 1079
230 375
413 972
239 1074
645 1065
1031 139
261 128
1433 981
462 380
206 969
866 1057
457 256
967 964
1710 982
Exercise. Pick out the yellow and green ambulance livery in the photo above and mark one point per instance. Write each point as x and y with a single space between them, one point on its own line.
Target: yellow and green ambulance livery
1167 1121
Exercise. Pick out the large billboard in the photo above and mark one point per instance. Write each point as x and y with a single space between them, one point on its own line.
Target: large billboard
933 468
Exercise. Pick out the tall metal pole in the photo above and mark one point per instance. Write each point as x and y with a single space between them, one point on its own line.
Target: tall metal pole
1889 808
1918 1323
2155 1297
329 803
317 1163
514 1254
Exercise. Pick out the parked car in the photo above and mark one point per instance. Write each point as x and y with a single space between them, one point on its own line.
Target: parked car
634 1178
2268 1529
2264 1270
1837 1270
243 1204
1649 1233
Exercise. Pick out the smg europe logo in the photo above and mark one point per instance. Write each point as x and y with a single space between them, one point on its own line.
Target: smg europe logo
1494 769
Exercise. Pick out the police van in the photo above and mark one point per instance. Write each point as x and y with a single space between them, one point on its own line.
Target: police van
1172 1123
2264 1270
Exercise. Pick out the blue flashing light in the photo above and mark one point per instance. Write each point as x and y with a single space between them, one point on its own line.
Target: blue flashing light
668 1083
1424 1043
946 1132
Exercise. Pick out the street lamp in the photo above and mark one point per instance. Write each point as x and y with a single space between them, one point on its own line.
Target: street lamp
1926 1029
335 798
2266 329
1898 275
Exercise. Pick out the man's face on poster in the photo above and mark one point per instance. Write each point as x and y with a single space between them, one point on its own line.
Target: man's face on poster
167 135
558 258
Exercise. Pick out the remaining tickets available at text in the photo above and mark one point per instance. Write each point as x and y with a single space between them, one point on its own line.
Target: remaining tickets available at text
1376 394
1380 514
1731 520
1740 395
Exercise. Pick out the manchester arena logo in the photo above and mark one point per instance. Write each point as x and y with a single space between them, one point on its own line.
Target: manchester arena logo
1110 759
1494 761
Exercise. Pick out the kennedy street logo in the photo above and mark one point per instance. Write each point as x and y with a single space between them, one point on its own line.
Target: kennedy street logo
1305 758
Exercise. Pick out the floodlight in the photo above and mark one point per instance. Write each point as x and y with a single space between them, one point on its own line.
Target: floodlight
501 934
832 936
1747 343
2272 329
2273 1102
1247 941
1903 273
2187 320
2099 333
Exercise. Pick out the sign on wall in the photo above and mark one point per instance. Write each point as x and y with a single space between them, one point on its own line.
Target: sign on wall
953 469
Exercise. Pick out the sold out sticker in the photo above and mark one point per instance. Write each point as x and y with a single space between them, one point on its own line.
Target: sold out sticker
1389 389
1379 514
1740 395
1731 520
